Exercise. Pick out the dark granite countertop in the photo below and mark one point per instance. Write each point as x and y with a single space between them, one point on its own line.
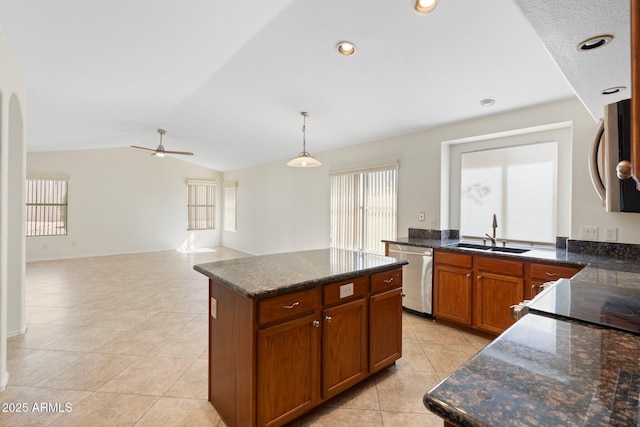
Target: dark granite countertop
268 275
545 372
535 254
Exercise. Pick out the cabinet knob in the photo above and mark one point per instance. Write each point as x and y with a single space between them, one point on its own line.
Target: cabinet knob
327 319
292 305
403 295
316 323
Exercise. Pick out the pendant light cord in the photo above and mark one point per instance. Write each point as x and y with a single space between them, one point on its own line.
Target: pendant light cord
304 132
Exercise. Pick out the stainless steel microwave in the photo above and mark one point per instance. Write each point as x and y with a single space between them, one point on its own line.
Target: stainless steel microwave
612 143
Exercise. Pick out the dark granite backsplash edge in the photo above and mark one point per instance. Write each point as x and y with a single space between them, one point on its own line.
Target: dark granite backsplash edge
626 251
419 233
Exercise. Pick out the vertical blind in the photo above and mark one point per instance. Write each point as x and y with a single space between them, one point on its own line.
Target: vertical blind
518 184
364 208
201 205
46 205
229 191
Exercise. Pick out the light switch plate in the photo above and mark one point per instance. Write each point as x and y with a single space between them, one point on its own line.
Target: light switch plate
589 232
346 290
214 308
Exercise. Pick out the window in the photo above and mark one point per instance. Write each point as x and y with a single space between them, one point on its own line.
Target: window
201 205
364 208
516 183
47 211
229 191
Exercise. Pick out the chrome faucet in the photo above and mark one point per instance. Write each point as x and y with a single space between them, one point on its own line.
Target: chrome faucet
494 225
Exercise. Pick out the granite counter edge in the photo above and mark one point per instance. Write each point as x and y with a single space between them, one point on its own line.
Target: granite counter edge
292 287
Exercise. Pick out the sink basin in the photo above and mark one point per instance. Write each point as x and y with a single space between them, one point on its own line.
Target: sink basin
509 250
471 246
479 247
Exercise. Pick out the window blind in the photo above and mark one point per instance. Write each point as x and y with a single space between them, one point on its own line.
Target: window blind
516 183
363 208
200 204
229 192
46 205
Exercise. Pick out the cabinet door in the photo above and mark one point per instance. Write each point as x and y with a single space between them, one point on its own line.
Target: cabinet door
385 329
452 294
495 293
344 347
288 370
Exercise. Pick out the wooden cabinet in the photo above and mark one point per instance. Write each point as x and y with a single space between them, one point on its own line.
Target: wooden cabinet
539 274
452 281
385 326
288 370
499 285
476 291
273 359
344 336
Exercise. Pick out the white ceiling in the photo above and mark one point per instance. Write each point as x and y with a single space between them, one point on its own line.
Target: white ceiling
228 79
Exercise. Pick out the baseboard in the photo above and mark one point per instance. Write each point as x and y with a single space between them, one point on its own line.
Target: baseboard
15 333
4 380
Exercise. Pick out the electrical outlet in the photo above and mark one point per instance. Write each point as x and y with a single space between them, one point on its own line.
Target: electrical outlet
611 234
421 216
589 232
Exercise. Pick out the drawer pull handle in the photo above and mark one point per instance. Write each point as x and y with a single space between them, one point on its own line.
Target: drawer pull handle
552 274
292 305
328 319
389 280
316 323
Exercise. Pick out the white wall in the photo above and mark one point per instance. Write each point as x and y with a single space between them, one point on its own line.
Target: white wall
122 200
283 209
13 94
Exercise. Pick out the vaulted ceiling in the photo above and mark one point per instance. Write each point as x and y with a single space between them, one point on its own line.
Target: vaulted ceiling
228 79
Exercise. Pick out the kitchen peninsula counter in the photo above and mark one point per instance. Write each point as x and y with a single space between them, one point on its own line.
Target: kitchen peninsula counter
289 331
545 372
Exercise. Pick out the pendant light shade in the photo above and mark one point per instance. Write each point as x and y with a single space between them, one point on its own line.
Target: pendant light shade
304 159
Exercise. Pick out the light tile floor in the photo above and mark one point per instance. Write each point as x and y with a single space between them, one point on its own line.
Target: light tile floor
122 340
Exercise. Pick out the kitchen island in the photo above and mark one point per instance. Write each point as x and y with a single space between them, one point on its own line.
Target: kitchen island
289 331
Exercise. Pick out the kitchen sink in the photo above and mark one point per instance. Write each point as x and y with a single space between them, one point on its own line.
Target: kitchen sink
480 247
471 246
509 250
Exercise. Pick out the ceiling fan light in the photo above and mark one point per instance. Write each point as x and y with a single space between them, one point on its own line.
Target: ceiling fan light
423 7
158 153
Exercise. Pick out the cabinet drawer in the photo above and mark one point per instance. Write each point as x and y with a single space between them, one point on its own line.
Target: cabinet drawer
344 291
452 258
552 272
386 280
287 306
500 265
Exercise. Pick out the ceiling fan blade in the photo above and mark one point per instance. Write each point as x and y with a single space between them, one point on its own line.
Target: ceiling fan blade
144 148
178 152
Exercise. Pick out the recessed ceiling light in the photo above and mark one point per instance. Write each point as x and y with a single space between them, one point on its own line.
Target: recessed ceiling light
594 42
487 102
346 48
424 6
612 90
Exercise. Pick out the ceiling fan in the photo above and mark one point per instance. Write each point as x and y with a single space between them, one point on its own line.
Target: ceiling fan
160 151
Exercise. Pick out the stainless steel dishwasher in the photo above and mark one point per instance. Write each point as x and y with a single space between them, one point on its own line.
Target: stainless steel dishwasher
417 283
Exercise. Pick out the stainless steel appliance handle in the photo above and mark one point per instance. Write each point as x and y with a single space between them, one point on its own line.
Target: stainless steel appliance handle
596 179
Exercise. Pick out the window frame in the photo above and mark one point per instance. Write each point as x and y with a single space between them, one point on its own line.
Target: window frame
352 211
196 191
230 213
47 208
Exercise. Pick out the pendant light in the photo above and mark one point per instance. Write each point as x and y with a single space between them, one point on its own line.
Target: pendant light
304 159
